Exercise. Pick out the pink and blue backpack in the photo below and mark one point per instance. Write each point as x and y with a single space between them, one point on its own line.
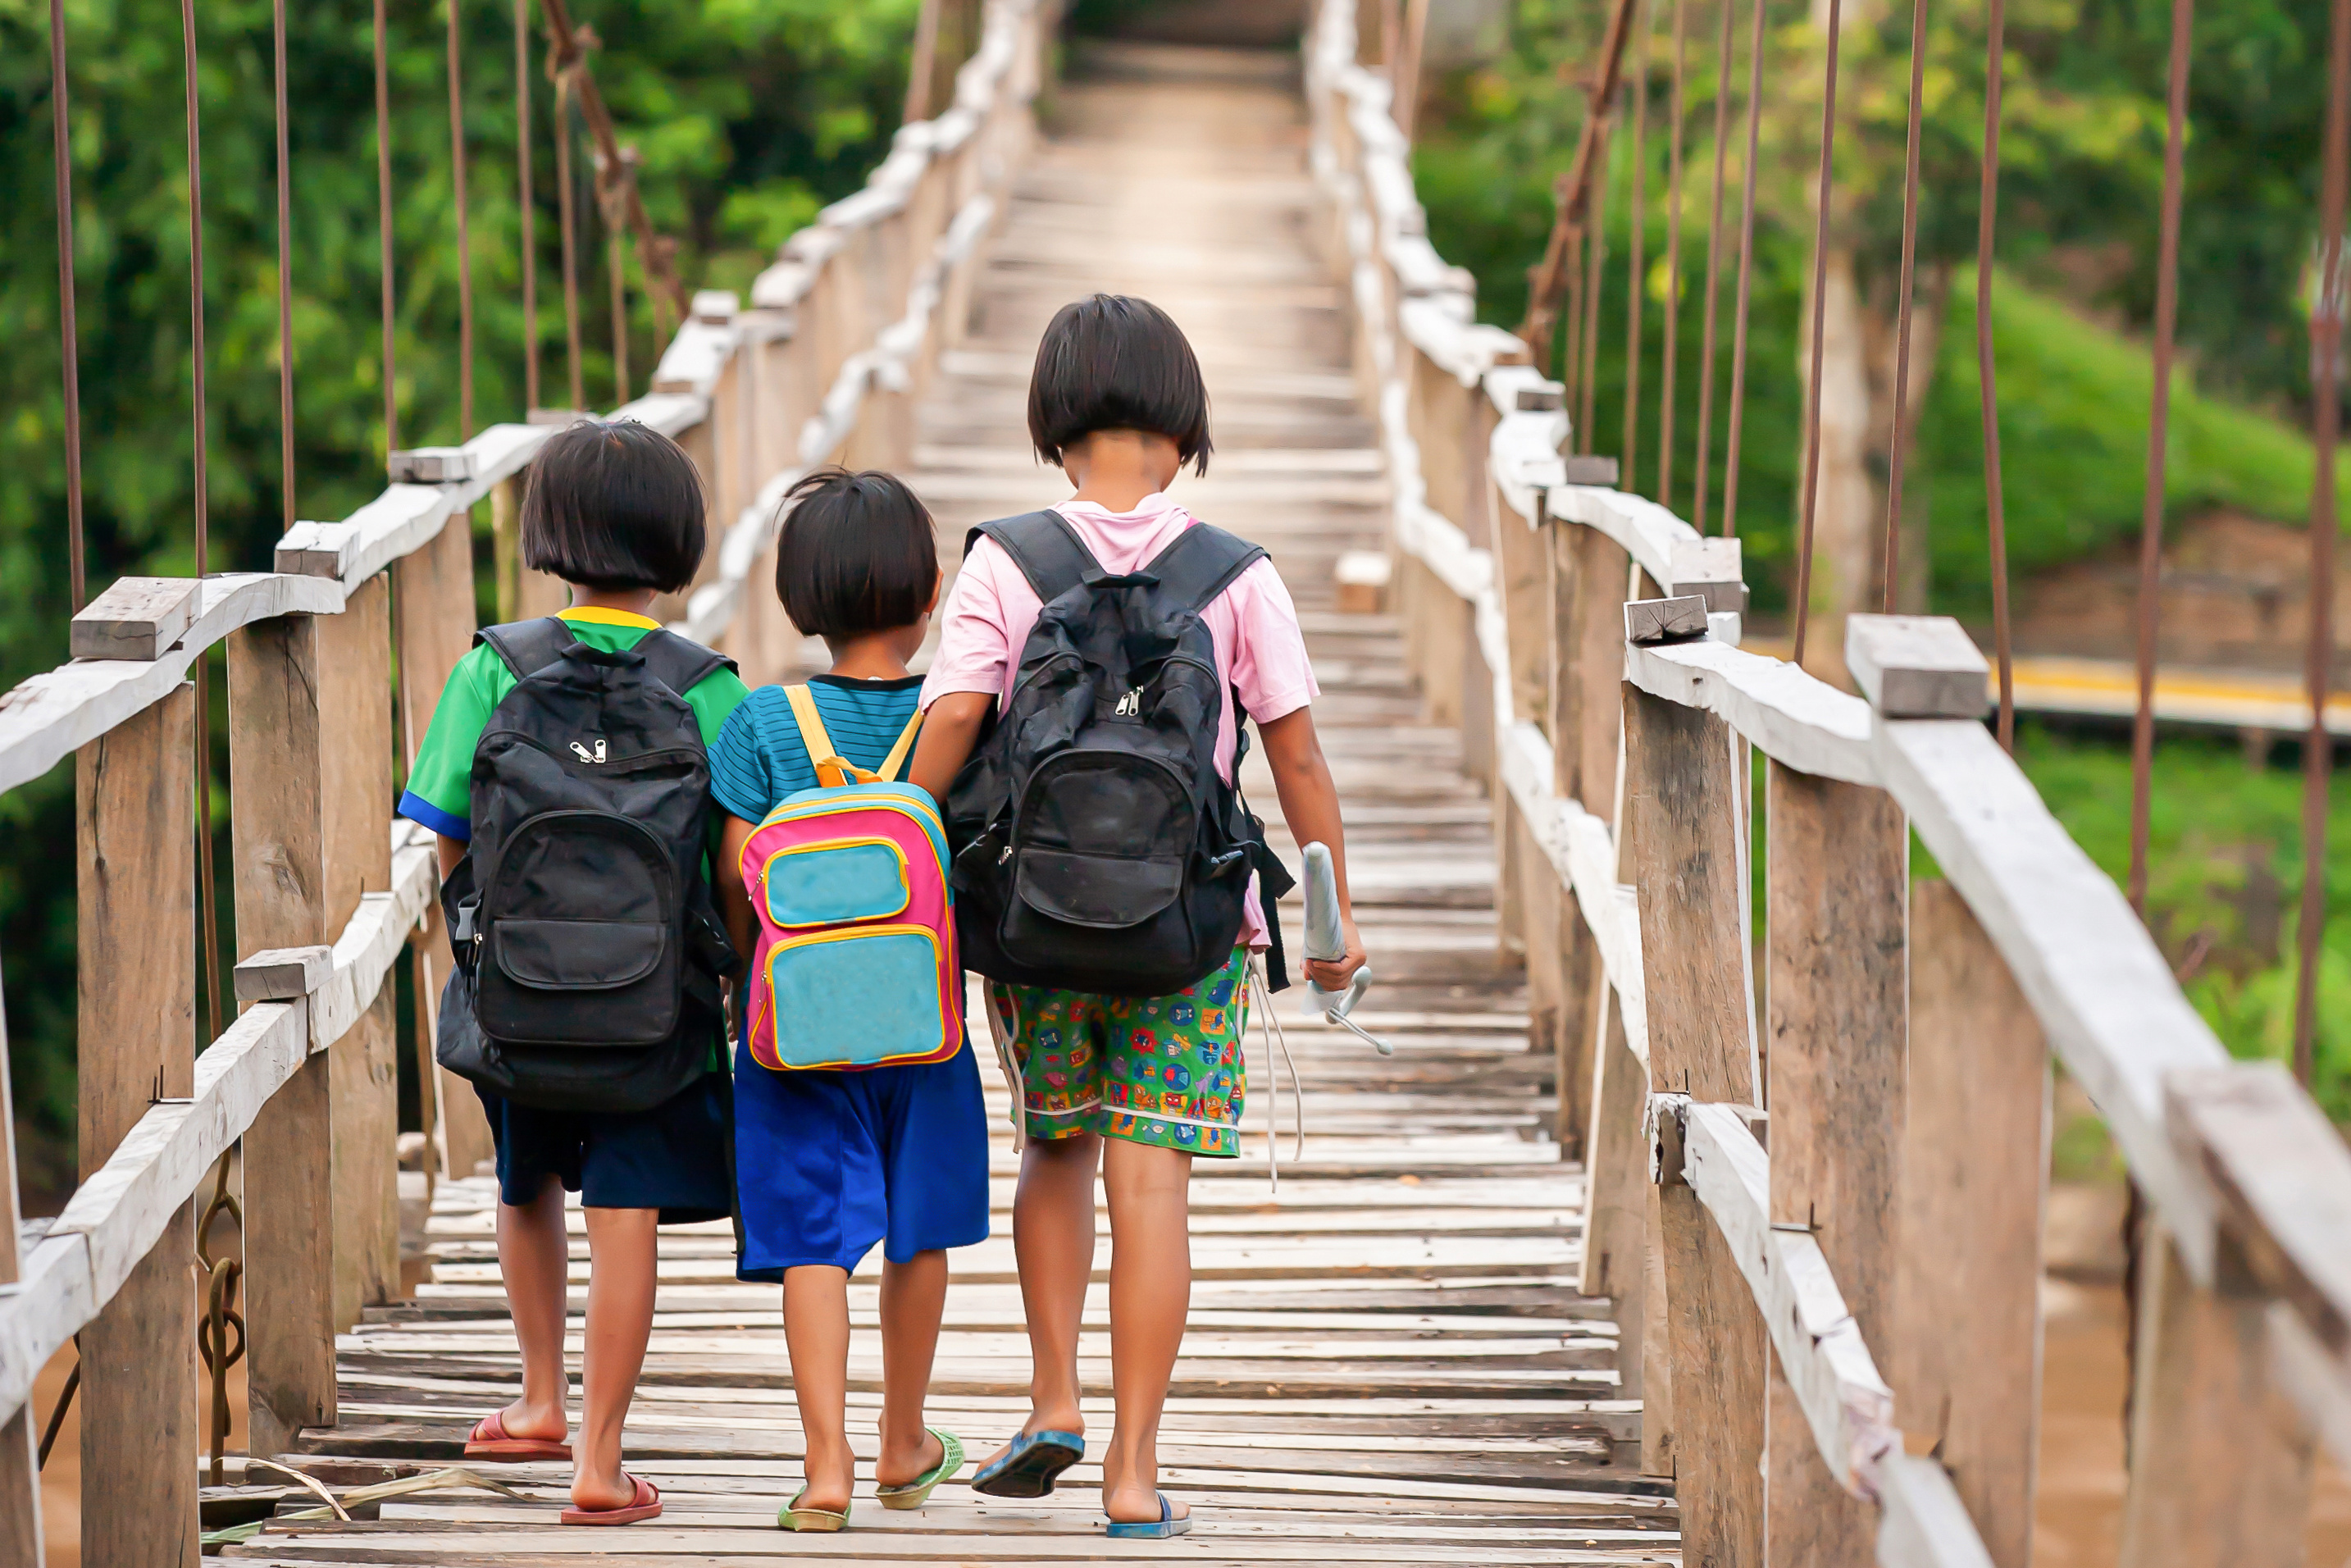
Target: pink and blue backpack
856 962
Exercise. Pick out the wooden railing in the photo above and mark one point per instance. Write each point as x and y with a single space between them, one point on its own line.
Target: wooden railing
1838 1344
840 337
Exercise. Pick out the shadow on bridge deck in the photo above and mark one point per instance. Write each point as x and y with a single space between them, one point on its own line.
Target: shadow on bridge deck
1388 1362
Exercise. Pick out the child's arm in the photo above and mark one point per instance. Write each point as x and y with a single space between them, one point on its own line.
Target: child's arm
1310 804
452 850
734 898
950 729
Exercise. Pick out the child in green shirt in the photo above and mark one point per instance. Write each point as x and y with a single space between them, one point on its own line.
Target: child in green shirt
615 510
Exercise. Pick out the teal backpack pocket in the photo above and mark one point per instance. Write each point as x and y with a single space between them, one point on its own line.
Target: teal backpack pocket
857 997
833 882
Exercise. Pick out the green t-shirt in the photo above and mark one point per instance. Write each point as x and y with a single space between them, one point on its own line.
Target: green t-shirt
440 785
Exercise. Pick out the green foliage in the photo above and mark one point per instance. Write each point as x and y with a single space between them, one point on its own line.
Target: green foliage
747 116
2225 882
2073 421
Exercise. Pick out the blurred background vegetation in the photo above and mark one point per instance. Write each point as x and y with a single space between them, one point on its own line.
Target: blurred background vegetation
2073 304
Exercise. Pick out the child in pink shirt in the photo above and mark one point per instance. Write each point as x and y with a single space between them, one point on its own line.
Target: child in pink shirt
1117 400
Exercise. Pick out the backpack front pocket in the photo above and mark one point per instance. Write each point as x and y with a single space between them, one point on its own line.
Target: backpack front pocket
866 996
836 881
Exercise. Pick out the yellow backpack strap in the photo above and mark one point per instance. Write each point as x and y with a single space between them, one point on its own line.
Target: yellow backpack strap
832 770
899 752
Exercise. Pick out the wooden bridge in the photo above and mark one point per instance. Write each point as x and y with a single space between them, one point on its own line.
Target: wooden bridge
1533 1292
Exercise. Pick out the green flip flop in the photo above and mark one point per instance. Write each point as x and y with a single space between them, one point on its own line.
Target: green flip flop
916 1492
792 1516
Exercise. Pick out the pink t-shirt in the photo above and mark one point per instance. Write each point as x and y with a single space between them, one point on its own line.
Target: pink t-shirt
1261 651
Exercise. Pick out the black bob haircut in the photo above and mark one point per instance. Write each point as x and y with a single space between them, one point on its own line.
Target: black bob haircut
614 507
1112 363
857 554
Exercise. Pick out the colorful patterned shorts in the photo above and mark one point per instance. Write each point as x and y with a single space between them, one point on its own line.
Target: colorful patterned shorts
1163 1070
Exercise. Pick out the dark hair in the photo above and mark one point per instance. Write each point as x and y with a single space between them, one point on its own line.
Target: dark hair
857 554
614 507
1113 363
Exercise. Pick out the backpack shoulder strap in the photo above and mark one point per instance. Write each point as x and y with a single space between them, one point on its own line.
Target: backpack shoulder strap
526 647
904 750
1202 563
680 662
831 768
1047 551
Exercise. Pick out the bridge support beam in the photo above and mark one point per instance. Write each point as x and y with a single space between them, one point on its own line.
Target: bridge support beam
2220 1459
1680 844
1965 1359
134 810
310 763
1837 906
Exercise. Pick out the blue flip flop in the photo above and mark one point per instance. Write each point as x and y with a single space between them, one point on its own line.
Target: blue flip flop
1159 1528
1028 1467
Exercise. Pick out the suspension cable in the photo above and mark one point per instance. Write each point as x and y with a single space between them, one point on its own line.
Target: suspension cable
2325 350
2159 430
567 219
384 226
612 210
464 250
1987 218
1899 445
284 275
525 213
1813 378
1713 271
1596 267
68 334
1670 360
207 923
1746 277
1635 259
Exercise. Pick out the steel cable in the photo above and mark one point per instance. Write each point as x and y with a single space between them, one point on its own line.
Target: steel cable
2326 369
2159 430
1987 220
383 227
68 333
1670 359
1746 277
465 249
207 921
1899 444
1635 259
526 214
1713 273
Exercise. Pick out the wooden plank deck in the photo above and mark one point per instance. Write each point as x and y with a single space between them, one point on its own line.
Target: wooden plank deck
1387 1360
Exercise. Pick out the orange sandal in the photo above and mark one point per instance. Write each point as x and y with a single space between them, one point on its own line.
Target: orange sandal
643 1503
491 1441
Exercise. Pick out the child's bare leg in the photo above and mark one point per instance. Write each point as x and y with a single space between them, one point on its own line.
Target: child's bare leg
816 1333
621 1274
1150 1296
534 1258
913 1299
1053 1243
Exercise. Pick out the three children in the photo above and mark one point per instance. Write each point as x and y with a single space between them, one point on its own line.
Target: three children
828 1160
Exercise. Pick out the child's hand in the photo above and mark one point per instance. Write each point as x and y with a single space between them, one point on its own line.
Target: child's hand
1335 974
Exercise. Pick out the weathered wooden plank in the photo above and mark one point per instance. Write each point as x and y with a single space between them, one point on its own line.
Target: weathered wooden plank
1965 1358
136 618
21 1544
1838 908
1915 666
2220 1458
1789 715
135 795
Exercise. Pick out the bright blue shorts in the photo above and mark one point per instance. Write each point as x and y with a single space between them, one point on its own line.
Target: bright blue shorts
827 1163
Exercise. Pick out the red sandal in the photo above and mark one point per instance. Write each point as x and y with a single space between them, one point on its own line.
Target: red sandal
643 1503
491 1441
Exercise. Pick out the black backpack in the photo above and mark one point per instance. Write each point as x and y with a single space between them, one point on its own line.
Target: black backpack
1096 847
588 952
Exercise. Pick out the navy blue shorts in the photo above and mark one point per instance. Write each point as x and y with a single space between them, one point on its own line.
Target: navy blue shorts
828 1163
672 1157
